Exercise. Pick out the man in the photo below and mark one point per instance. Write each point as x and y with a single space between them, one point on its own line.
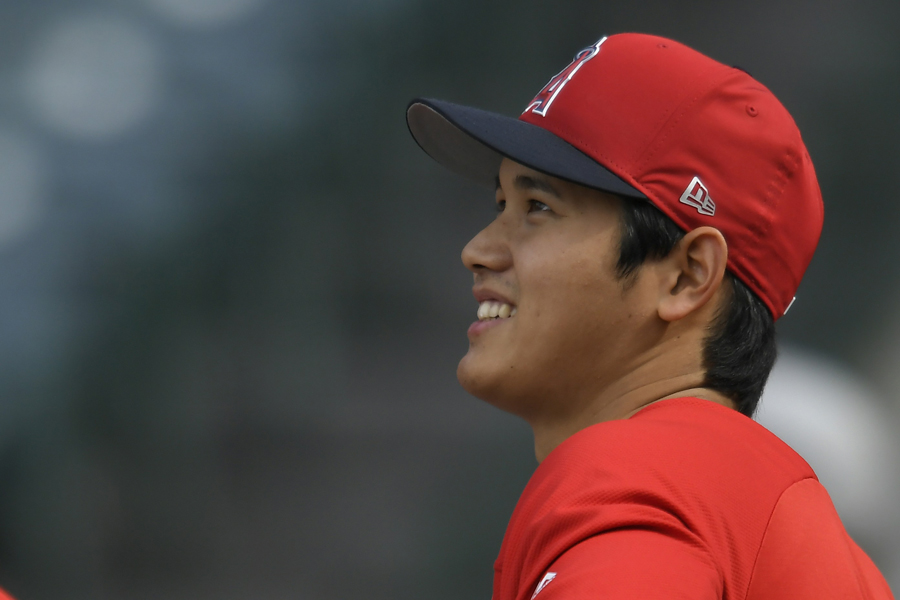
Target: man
657 211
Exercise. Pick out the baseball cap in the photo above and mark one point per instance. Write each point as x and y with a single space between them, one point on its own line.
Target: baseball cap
650 119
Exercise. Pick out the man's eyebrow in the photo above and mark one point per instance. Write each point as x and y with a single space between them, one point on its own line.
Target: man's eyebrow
527 183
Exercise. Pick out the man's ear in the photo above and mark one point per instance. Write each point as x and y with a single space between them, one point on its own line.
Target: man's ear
692 273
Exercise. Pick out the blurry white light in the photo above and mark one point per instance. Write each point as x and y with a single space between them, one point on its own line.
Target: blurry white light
834 421
94 77
204 13
22 172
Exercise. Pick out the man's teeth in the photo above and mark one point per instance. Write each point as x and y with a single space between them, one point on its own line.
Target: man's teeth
495 310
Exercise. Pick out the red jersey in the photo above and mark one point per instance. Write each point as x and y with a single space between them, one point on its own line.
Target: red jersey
686 499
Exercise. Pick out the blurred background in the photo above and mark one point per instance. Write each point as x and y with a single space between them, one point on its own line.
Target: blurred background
231 301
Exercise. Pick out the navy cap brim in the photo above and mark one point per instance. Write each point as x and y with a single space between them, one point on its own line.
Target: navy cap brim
472 142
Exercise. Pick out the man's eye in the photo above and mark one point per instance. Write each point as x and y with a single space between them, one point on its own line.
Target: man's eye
500 205
537 206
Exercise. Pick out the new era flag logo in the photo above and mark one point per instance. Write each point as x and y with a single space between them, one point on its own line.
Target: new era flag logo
697 195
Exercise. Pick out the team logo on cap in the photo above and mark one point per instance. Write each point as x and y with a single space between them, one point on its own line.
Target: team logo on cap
697 195
541 103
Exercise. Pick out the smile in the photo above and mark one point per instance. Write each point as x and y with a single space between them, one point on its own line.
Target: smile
488 310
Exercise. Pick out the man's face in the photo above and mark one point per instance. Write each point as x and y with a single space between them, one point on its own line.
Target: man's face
550 256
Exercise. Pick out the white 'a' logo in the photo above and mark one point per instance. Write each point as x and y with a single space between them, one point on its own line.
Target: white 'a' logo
541 103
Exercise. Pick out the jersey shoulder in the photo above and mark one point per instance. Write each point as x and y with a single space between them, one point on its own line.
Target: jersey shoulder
695 446
685 468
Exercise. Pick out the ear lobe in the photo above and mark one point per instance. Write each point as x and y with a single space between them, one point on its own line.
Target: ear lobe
695 270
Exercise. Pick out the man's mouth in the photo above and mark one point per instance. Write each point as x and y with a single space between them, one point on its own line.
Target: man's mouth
489 309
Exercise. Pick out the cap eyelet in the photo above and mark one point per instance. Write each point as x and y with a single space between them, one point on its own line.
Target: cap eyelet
662 46
751 110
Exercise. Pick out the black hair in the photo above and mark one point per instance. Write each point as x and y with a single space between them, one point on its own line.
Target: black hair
739 349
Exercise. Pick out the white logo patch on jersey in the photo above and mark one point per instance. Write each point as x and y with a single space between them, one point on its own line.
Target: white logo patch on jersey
547 579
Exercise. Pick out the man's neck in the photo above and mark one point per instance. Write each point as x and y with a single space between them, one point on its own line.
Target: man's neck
548 435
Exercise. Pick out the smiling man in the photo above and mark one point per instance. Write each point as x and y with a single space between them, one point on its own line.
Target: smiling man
656 213
597 344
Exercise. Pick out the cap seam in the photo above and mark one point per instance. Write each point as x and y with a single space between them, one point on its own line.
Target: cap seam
784 172
664 131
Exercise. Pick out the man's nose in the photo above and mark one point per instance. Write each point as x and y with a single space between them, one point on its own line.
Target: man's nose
488 250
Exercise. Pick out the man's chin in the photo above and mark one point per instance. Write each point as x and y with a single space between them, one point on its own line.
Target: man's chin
489 381
467 373
477 376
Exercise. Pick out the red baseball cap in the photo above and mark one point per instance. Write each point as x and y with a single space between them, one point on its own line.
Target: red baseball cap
651 119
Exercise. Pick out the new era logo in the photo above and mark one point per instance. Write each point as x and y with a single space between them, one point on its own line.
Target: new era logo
697 195
547 579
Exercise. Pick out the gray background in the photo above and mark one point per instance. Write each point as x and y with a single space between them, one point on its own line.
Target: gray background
231 301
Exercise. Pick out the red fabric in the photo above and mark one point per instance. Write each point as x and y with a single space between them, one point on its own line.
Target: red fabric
657 113
686 499
5 596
